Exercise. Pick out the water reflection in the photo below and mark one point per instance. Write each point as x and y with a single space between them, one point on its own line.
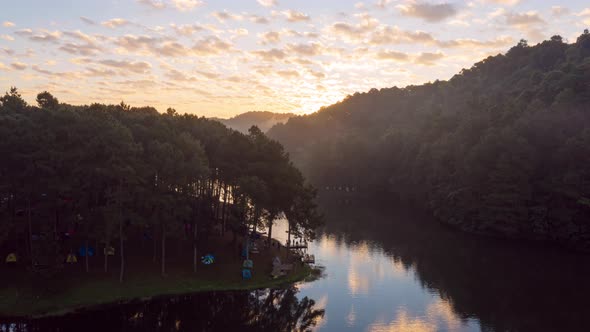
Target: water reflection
387 269
265 310
391 269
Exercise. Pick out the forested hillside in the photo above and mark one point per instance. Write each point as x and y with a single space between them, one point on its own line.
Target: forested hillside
263 120
502 148
116 177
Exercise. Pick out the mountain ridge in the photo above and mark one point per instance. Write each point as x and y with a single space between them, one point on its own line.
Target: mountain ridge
498 149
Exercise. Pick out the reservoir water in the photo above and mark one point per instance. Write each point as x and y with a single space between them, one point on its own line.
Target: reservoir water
384 269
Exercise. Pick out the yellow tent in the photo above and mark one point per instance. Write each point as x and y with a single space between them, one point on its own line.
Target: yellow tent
72 259
11 258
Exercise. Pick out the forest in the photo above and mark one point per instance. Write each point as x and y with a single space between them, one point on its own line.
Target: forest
114 178
501 149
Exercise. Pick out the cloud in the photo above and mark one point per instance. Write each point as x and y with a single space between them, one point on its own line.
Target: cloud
24 32
156 4
383 3
18 66
207 74
503 2
295 16
259 19
90 45
354 31
225 16
81 49
428 59
271 37
99 72
41 36
212 45
187 29
270 55
8 24
524 19
7 51
7 37
115 23
288 74
499 42
139 67
311 49
428 12
87 20
268 3
394 35
3 66
60 75
186 5
176 75
393 55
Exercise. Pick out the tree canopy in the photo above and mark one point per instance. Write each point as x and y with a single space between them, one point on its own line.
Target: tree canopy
108 174
501 148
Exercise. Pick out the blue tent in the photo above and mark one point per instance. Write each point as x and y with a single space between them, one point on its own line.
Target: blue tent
248 264
246 274
208 259
82 252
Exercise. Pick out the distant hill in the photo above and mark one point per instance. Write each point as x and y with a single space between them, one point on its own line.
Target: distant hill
263 120
502 148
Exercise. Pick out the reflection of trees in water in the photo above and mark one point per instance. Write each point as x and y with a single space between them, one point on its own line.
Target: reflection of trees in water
506 285
265 310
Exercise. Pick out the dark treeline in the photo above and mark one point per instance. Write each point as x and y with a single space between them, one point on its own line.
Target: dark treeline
502 148
107 175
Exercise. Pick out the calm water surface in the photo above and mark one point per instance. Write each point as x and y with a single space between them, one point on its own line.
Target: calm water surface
385 269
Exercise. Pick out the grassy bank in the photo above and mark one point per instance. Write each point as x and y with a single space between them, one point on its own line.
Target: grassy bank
25 294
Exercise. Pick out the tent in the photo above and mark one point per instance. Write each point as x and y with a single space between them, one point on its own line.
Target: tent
248 264
11 258
246 274
208 259
108 251
71 259
276 261
82 251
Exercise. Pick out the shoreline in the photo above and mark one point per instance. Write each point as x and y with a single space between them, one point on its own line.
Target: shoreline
78 299
26 297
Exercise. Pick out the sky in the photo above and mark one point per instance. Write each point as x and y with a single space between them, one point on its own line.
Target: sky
222 58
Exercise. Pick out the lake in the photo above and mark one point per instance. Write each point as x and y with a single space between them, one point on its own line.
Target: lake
385 269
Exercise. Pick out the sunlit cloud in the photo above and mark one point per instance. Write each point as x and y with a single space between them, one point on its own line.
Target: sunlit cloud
503 2
156 4
268 3
524 19
186 5
559 11
132 66
18 65
222 59
295 16
115 23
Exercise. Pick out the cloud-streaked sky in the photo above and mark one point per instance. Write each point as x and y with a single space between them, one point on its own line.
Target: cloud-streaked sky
221 58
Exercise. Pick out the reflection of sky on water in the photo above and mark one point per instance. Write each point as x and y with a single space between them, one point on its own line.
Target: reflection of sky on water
364 289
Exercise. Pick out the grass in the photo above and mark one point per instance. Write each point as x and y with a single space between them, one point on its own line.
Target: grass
27 295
